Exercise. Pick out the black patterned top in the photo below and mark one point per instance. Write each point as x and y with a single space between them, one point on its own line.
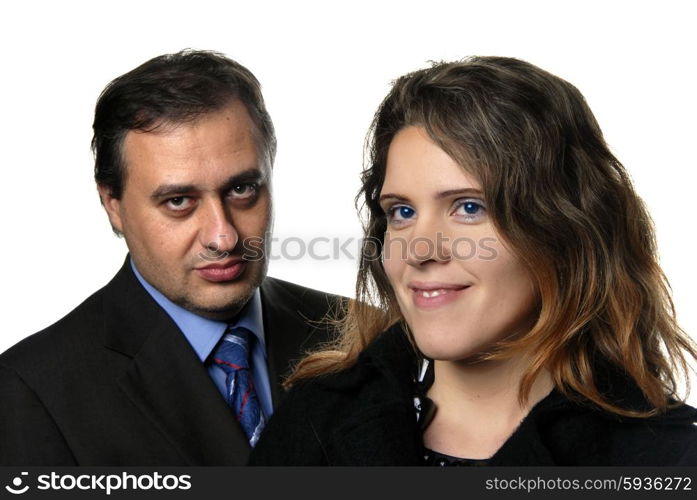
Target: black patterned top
425 409
434 458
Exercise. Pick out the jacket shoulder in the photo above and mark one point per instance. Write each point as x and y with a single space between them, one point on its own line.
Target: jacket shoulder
667 439
312 302
50 347
577 432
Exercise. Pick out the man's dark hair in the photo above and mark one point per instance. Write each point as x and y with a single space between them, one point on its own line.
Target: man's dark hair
171 88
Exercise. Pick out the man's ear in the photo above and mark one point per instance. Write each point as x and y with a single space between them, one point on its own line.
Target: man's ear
113 208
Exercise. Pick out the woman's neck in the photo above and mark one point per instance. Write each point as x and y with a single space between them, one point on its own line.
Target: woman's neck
477 405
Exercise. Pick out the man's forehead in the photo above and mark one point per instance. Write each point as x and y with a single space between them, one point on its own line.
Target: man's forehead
207 151
199 176
232 120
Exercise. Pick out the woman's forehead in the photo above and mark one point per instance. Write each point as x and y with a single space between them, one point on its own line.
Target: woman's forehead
417 164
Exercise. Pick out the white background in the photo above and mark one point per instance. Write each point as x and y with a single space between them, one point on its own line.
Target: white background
324 67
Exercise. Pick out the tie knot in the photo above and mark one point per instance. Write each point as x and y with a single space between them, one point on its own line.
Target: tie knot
232 352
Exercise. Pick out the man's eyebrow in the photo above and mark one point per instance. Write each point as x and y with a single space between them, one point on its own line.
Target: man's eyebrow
442 194
167 190
248 176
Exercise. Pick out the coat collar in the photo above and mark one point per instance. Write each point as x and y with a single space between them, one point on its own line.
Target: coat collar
292 327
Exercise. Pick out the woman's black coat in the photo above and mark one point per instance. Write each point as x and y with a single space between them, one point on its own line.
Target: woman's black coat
365 416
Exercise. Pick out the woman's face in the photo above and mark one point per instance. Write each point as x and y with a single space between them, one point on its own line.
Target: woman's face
458 286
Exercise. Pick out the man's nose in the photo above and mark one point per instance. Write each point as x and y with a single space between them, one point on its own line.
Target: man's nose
217 233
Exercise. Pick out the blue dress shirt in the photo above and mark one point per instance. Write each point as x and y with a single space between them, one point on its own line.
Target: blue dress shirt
204 334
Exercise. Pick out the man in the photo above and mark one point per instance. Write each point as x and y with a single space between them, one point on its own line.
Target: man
144 371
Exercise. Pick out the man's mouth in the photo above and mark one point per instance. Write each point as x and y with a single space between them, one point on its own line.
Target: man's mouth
227 270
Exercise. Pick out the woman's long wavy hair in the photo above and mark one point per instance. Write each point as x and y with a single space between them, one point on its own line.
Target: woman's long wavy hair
566 207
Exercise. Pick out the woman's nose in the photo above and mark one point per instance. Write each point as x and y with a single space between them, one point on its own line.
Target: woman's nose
428 242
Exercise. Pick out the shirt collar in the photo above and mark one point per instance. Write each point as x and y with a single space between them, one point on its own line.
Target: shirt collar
202 333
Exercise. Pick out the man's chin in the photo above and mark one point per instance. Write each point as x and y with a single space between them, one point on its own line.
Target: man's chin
223 301
220 309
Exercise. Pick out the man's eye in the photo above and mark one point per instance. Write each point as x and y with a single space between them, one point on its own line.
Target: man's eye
244 191
179 203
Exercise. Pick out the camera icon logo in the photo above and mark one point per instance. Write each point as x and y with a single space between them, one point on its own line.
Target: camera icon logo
16 488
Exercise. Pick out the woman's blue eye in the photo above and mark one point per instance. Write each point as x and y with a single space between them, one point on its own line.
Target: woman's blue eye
470 210
406 212
471 207
400 213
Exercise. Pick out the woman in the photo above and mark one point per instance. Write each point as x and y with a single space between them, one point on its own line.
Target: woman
522 316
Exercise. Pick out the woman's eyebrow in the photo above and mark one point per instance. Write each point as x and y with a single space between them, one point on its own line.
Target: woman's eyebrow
456 192
442 194
392 196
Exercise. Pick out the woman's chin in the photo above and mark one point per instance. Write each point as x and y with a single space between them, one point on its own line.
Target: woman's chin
447 351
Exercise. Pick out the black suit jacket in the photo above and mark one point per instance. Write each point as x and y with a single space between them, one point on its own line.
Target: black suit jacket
115 382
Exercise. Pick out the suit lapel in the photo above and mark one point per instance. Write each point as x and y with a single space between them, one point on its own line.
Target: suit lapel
290 328
166 381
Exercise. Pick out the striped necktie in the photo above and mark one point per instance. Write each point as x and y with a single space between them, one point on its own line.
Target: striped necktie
232 356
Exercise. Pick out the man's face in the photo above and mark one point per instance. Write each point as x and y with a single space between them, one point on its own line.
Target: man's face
193 193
